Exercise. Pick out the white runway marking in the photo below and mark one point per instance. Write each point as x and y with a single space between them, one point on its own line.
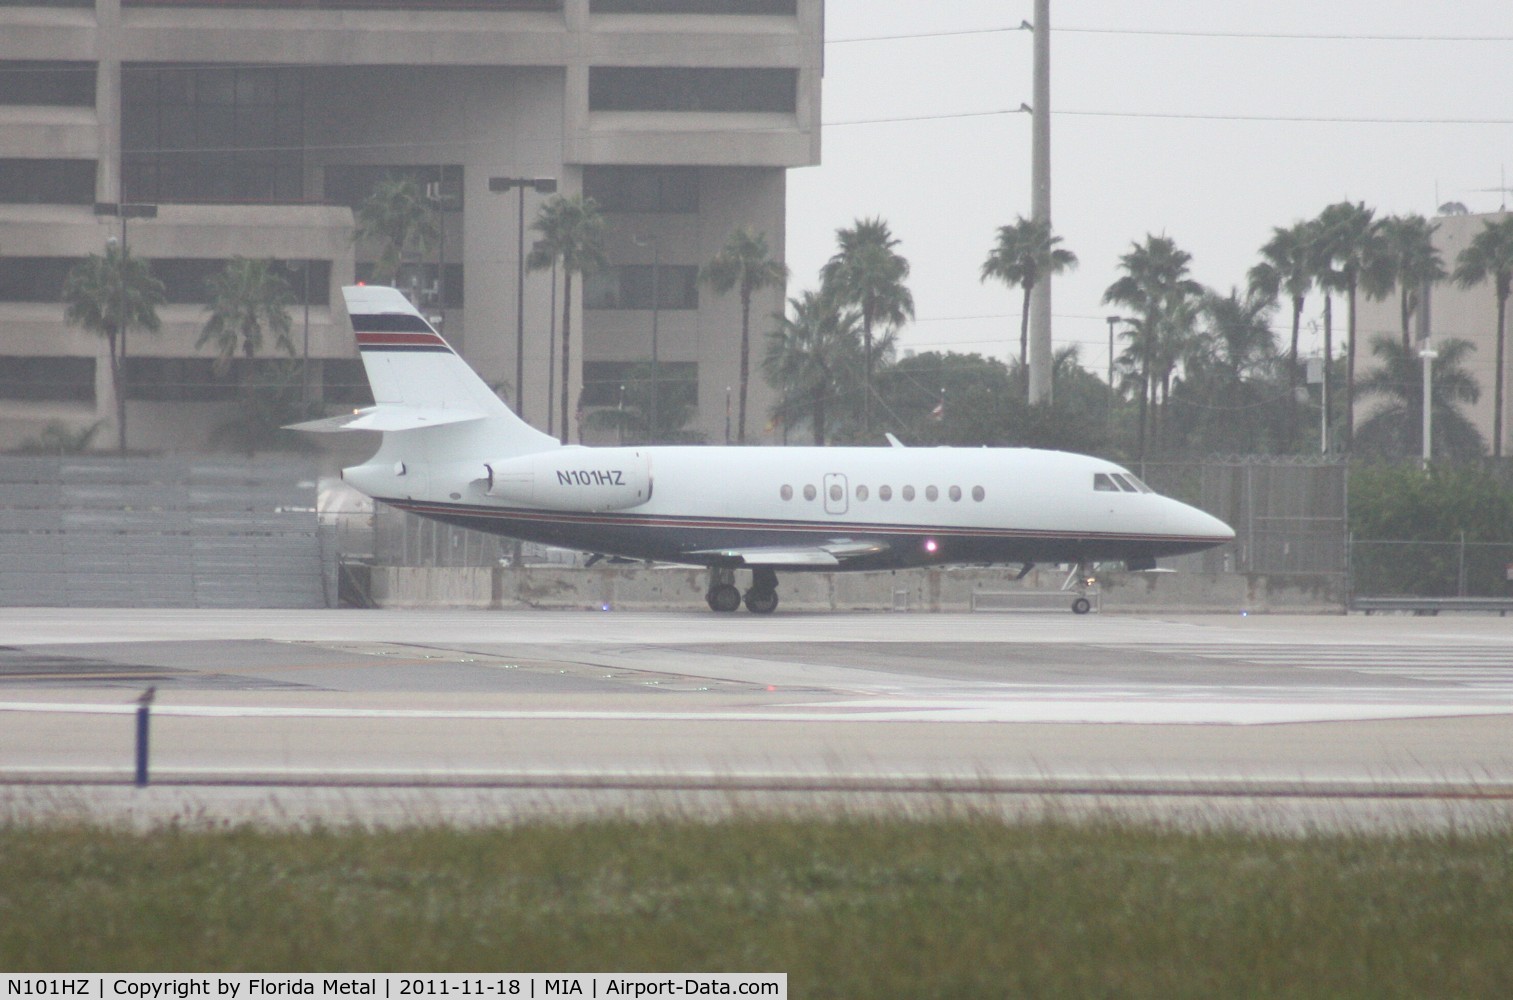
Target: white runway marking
1061 706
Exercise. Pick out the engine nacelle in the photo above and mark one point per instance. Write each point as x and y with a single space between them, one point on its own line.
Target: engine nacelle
576 479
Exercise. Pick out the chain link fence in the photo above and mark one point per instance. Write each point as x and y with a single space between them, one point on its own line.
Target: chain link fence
1431 569
1290 514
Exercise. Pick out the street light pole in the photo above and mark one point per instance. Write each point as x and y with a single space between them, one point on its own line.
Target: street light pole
124 210
551 343
1428 354
304 370
542 185
1112 322
653 426
436 194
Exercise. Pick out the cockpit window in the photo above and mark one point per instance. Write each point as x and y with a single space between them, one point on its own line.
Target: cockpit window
1124 484
1138 484
1103 483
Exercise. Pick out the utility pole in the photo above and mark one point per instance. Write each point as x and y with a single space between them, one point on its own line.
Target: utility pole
1040 204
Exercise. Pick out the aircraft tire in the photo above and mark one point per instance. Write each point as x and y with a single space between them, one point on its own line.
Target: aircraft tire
723 598
761 602
1081 606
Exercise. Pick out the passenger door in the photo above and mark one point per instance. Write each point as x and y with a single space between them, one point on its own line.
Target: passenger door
836 497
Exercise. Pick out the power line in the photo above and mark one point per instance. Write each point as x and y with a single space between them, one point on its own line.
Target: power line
1184 116
1286 36
1299 119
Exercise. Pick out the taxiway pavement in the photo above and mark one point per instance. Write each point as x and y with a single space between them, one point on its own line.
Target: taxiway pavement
1407 715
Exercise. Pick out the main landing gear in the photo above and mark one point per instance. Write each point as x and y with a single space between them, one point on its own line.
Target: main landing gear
761 599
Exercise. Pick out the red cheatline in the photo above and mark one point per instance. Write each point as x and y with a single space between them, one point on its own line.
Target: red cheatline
399 340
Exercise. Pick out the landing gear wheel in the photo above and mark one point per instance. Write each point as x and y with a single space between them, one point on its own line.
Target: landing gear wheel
1081 606
761 602
723 598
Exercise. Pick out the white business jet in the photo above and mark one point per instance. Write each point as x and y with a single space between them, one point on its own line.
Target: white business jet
453 451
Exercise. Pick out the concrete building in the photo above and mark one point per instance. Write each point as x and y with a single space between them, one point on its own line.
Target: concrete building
1454 312
254 128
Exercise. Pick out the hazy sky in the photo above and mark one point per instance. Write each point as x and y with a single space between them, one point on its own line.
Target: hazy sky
1207 122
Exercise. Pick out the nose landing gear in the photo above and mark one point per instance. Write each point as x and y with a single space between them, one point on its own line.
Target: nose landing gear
1080 580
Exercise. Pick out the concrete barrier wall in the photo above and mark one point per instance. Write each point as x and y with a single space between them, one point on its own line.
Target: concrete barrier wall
676 588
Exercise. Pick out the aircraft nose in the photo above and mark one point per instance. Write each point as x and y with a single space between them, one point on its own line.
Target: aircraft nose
1199 524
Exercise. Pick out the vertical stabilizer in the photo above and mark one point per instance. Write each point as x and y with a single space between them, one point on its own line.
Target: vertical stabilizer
418 381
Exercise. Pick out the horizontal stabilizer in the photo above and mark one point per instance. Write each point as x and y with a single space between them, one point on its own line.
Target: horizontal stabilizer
389 417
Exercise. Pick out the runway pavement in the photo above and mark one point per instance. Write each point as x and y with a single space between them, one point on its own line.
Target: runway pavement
401 715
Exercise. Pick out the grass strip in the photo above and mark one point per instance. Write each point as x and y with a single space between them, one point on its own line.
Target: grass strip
848 907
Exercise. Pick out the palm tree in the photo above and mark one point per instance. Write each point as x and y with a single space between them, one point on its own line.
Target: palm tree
402 219
1490 255
1178 340
635 420
1409 262
107 296
248 299
271 399
58 438
809 355
744 264
1352 244
1026 251
1289 264
1241 343
868 273
1157 288
572 235
1396 430
1228 397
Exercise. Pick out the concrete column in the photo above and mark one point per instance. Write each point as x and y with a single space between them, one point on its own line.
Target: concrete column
108 97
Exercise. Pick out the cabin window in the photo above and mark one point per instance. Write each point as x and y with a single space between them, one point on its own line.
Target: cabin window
1125 484
836 493
786 492
955 494
908 493
1104 483
861 492
885 493
979 494
810 492
932 494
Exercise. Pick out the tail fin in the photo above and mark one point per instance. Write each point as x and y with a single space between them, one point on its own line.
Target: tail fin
418 381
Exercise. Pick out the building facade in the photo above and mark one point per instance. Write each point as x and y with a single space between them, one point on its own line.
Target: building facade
202 130
1454 312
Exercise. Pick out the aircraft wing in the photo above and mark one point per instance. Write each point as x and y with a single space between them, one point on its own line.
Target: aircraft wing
388 418
831 553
